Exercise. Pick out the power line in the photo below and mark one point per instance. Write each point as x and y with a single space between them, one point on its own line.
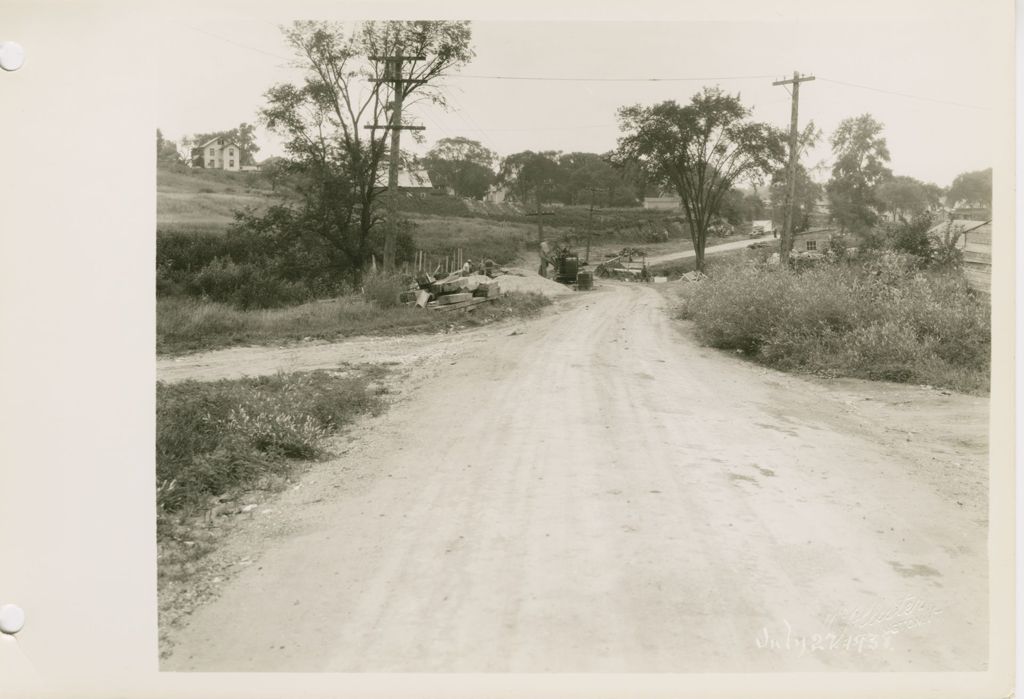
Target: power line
904 94
607 80
235 43
551 128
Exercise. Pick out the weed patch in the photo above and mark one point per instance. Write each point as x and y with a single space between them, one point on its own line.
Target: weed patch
214 438
880 319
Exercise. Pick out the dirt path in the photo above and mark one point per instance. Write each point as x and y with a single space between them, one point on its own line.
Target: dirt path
599 493
709 250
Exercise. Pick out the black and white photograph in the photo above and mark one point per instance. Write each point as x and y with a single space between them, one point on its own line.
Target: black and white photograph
572 347
546 346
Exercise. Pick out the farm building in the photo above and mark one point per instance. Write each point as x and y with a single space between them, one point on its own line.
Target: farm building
812 241
411 181
222 154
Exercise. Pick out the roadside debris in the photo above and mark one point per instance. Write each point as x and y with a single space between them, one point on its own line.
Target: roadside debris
693 276
462 289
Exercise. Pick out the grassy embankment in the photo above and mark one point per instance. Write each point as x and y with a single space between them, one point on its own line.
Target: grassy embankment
185 325
878 318
195 208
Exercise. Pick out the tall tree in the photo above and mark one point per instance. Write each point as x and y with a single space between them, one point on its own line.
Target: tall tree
462 164
166 151
861 155
700 150
905 197
579 172
972 189
337 161
531 176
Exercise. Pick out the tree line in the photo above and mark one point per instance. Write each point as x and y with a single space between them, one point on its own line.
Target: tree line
708 152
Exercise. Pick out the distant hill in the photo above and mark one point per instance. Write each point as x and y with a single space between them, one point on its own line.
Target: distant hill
205 200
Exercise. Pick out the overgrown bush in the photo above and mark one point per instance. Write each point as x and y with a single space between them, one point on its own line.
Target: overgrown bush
879 319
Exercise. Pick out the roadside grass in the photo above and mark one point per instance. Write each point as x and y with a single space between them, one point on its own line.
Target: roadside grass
223 445
879 319
215 439
188 324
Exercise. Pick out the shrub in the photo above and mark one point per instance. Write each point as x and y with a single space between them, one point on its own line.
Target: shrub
383 290
880 319
245 286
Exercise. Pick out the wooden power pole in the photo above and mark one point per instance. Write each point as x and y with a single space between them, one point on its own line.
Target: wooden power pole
540 220
786 241
590 217
393 75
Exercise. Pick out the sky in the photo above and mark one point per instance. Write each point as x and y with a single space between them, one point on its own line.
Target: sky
929 81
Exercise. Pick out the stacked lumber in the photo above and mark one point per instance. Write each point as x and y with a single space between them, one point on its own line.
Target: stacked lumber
452 292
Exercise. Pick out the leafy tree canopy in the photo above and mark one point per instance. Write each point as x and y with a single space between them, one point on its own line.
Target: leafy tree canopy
530 175
972 189
906 197
463 165
337 162
861 157
700 150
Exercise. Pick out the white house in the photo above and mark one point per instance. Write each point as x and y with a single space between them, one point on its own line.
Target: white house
222 154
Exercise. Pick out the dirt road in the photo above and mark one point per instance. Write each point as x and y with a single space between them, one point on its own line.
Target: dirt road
709 250
599 493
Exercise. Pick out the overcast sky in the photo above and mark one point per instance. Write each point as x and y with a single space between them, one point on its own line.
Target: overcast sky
213 74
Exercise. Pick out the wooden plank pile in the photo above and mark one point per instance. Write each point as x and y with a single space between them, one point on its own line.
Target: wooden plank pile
452 292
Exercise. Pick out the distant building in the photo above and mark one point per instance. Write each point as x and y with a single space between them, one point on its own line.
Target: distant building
662 203
812 241
413 181
222 154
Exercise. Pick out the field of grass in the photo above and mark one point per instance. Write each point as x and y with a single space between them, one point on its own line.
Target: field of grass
185 324
879 318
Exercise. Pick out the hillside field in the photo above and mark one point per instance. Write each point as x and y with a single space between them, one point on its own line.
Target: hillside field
204 201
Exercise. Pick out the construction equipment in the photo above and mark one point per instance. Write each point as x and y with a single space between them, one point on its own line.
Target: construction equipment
626 266
566 264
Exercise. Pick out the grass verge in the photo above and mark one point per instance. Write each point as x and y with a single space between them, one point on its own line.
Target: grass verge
221 444
221 437
879 319
185 324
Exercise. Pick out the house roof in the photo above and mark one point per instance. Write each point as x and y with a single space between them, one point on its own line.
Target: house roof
218 138
408 179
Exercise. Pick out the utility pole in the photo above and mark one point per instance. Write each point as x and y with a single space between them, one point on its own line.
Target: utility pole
590 217
544 259
786 242
393 75
540 220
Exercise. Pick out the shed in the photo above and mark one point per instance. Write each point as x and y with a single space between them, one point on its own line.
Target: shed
976 243
978 257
